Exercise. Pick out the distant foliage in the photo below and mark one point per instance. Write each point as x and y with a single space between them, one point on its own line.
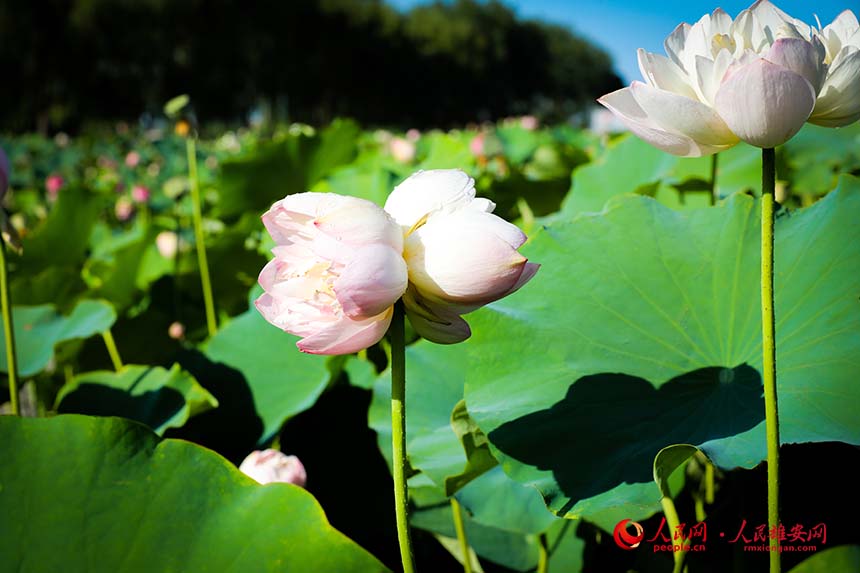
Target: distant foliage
304 60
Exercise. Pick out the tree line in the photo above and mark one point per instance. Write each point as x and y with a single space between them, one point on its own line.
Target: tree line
66 62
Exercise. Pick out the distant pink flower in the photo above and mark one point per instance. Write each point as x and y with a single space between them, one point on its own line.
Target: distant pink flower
123 209
167 242
4 173
272 466
336 274
139 194
132 159
476 146
53 184
413 135
529 122
176 330
402 150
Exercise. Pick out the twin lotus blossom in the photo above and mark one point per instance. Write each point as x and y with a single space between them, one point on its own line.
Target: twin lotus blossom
757 79
272 466
342 262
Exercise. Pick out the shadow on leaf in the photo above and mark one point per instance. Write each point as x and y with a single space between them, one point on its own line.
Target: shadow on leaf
608 428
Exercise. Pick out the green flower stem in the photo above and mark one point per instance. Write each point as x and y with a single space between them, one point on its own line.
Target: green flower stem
398 434
110 344
461 535
674 521
9 331
713 182
543 554
208 300
709 483
768 187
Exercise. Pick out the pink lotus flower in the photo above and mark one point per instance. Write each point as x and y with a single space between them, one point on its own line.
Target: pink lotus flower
272 466
139 194
529 122
53 184
336 274
123 209
132 159
176 331
167 242
460 256
4 173
476 146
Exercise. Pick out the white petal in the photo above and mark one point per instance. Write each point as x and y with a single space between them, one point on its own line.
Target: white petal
683 115
709 74
426 192
839 100
627 109
674 44
463 258
358 223
765 104
347 336
661 72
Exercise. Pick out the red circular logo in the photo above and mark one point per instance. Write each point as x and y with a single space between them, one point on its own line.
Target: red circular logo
623 538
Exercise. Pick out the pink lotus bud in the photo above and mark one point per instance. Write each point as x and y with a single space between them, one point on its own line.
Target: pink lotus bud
139 194
402 150
123 209
167 242
4 173
336 274
176 330
460 256
132 159
272 466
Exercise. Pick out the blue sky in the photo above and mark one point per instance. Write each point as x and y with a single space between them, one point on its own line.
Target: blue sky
622 26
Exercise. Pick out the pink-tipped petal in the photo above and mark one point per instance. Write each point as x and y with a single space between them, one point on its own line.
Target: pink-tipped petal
765 104
358 223
372 282
801 57
347 336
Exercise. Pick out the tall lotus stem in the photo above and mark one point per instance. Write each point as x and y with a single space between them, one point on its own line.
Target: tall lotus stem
110 344
457 511
768 328
713 182
398 434
197 214
543 554
9 331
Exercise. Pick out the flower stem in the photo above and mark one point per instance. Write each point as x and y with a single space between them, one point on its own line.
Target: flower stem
461 535
543 554
674 521
197 214
768 187
398 434
9 331
713 182
110 344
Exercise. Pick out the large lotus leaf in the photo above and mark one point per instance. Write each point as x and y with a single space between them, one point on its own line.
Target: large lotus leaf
839 559
63 238
291 163
283 381
93 494
642 330
630 165
514 550
434 387
39 328
816 156
151 395
446 150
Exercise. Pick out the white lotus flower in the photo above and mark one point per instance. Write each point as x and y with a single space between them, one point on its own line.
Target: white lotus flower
757 78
